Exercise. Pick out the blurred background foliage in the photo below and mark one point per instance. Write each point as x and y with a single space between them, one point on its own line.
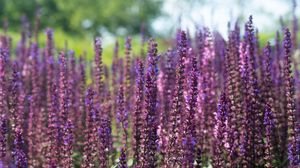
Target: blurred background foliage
118 17
77 22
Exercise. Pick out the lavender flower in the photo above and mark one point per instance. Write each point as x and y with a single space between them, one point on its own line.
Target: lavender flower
268 79
122 115
127 72
189 141
49 73
219 150
168 89
19 150
114 67
279 101
207 96
270 144
3 115
68 140
151 122
81 96
103 133
3 138
53 131
98 68
233 88
63 89
14 90
122 159
292 130
253 102
174 144
91 131
138 114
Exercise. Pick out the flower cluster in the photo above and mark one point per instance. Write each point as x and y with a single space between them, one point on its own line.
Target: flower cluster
206 101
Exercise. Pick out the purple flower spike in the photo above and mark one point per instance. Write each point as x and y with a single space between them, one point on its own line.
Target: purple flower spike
53 131
219 151
98 70
63 88
233 88
19 150
174 158
3 115
121 113
290 109
190 124
151 137
104 133
127 75
122 160
270 144
138 114
3 137
68 140
91 131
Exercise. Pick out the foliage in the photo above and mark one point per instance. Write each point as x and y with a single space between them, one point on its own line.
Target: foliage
85 16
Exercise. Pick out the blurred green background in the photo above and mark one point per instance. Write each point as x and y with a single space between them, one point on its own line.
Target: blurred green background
79 21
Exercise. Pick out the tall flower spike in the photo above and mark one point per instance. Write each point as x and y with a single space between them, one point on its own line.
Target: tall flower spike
90 142
49 73
122 160
63 88
270 142
19 150
36 92
68 140
122 115
80 95
114 67
32 134
189 141
127 74
253 101
174 156
72 77
168 88
279 101
19 130
218 159
3 115
98 71
49 43
138 113
245 140
270 121
290 109
14 91
3 138
122 118
268 78
53 131
150 143
200 45
208 97
104 146
233 90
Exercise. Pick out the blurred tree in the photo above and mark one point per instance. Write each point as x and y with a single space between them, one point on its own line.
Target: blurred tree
113 16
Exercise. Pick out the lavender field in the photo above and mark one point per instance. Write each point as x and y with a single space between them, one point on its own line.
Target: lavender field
207 101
